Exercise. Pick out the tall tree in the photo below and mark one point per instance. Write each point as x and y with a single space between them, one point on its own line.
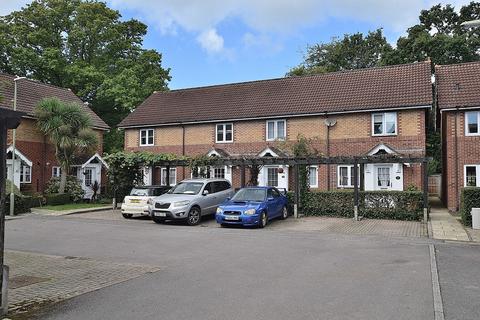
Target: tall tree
353 51
84 45
69 129
440 37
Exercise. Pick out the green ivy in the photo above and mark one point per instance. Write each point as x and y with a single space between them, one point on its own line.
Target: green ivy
470 199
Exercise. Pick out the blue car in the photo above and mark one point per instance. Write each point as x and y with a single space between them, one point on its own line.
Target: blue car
253 206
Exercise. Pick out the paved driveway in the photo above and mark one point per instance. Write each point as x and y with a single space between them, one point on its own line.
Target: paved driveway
216 273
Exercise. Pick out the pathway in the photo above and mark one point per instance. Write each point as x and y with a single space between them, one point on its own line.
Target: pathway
444 226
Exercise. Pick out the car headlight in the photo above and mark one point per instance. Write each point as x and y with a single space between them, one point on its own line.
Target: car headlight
181 203
249 212
219 210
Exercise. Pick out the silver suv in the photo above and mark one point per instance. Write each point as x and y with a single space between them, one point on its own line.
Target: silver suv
190 200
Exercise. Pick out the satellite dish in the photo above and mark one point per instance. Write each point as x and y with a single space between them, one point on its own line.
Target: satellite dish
330 122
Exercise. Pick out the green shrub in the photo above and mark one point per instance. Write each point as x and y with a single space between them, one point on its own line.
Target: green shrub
23 204
470 199
57 199
397 205
73 188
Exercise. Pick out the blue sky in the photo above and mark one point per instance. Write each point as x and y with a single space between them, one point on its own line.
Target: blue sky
208 42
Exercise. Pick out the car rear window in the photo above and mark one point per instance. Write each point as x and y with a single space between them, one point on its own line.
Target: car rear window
140 192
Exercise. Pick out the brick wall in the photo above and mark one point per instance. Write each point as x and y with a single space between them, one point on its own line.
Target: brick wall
351 136
454 159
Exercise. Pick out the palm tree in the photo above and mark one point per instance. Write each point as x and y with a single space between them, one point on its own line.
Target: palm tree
69 129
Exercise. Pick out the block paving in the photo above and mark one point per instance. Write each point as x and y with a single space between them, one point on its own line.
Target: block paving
42 279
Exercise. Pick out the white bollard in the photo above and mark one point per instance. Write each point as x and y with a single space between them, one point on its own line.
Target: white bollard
476 218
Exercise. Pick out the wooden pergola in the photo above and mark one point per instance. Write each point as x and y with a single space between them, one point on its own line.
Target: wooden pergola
9 119
295 162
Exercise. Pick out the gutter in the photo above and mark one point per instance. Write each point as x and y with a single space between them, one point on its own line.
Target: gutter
324 113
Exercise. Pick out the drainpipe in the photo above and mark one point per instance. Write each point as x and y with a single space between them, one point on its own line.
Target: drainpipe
183 149
457 200
14 137
328 156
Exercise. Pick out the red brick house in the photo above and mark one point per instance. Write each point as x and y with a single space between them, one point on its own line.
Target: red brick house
458 100
35 162
370 111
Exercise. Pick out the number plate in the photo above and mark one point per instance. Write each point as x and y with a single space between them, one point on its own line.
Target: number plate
232 218
160 214
135 201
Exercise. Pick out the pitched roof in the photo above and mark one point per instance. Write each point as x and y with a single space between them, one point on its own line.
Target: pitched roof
406 85
458 85
30 93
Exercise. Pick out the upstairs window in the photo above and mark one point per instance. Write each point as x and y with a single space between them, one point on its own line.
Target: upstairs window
224 132
384 124
146 137
276 130
472 121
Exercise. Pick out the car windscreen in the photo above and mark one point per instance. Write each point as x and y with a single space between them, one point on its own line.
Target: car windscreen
187 188
140 192
249 195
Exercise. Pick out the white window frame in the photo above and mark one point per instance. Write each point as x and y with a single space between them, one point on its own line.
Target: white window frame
349 176
384 124
477 172
467 133
224 125
147 131
275 130
85 177
25 178
56 171
163 176
316 176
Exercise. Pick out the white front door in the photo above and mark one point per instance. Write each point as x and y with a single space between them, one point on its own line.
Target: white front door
89 175
384 178
274 176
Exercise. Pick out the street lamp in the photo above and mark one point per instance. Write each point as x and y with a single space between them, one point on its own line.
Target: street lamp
14 135
471 24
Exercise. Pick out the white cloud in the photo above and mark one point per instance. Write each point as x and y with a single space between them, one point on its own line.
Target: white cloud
211 41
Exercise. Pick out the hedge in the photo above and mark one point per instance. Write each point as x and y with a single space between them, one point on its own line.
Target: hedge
396 205
470 199
57 199
23 204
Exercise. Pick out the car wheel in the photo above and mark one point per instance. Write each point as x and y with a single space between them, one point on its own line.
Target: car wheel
158 220
194 216
284 213
263 220
127 215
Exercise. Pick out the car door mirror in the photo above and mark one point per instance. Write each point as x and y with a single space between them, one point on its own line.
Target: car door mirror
205 192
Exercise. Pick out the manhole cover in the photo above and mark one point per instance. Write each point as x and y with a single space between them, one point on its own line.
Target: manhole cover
23 281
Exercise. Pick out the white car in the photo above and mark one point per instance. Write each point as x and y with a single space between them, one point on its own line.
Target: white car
137 202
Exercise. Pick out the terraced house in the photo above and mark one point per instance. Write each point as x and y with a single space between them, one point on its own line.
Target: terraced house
352 113
458 99
35 161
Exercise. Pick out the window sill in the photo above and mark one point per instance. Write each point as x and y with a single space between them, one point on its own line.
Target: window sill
146 145
223 142
385 135
472 134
